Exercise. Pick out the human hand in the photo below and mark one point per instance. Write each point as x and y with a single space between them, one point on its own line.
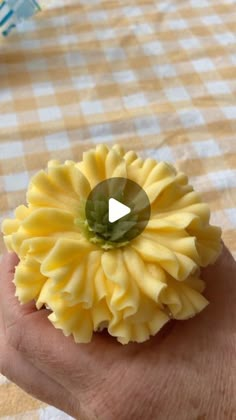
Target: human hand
186 372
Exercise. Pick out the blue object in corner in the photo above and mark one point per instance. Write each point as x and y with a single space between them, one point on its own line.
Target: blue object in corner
14 11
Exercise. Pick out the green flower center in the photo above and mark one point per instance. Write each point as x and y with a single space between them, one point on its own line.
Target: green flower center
97 228
94 214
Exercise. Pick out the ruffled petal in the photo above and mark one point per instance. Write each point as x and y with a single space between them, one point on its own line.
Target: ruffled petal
149 285
47 221
11 226
73 320
130 157
70 180
38 248
177 265
65 251
45 192
188 233
183 300
28 280
115 165
148 320
140 174
124 292
159 172
92 166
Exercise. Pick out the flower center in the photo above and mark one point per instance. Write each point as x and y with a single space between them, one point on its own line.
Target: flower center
97 228
94 221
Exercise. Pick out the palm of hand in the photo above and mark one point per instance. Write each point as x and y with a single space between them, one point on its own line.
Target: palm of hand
187 371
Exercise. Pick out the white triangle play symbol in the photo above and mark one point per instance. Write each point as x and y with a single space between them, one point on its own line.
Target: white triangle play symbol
117 210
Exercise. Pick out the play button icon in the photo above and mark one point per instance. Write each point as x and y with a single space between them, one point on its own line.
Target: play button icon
117 210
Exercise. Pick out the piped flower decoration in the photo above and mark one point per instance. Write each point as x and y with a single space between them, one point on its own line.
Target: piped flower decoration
88 278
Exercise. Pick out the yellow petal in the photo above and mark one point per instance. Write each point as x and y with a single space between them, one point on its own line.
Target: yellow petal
46 221
130 157
137 269
70 180
64 252
100 314
10 226
21 212
43 190
183 301
28 280
125 294
179 266
161 171
115 165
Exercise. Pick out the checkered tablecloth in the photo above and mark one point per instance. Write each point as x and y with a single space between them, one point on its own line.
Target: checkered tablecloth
158 77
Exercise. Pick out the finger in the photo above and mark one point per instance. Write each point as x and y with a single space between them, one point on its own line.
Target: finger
54 353
29 331
9 262
220 281
220 278
17 369
9 304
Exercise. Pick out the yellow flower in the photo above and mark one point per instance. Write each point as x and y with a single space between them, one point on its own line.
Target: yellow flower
132 289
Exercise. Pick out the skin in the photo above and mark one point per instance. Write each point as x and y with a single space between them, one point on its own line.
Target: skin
187 371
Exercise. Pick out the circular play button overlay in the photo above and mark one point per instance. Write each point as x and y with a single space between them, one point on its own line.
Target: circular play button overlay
117 211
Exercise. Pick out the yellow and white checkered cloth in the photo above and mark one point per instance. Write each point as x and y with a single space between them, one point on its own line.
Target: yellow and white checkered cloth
156 76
